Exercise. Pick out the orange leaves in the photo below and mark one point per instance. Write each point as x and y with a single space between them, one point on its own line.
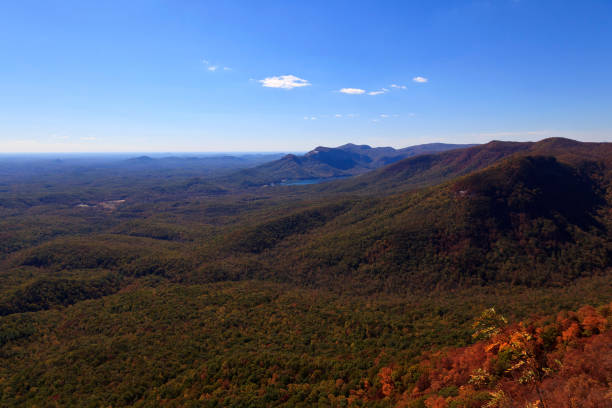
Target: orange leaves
493 347
560 363
586 322
436 402
594 324
360 394
386 381
571 333
541 363
592 321
387 389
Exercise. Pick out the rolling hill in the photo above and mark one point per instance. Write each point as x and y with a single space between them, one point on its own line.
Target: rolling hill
517 221
328 162
430 169
295 296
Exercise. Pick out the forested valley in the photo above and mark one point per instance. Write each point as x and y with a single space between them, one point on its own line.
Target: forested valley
477 276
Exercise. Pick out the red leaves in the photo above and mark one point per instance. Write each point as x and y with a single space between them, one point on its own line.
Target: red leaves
565 364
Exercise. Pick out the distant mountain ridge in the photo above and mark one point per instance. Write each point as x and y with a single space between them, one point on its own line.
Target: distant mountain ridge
431 168
326 162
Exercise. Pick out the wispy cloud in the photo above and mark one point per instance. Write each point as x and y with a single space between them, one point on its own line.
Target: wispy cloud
212 68
359 91
284 82
88 138
379 92
352 91
23 142
384 117
396 86
420 79
59 137
332 116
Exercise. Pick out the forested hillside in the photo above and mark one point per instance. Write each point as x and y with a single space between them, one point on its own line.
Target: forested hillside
329 162
126 289
515 222
429 169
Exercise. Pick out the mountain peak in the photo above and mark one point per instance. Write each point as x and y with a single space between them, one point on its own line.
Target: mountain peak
141 159
290 156
318 150
559 142
328 162
353 146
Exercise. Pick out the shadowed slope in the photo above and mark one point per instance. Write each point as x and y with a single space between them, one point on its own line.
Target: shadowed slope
518 221
326 162
430 169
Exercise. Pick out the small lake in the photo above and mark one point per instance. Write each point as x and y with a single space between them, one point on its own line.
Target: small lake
304 182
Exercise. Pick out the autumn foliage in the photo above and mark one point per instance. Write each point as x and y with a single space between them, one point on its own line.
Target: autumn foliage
563 361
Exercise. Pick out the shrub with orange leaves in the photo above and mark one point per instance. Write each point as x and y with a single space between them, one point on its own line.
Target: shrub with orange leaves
386 381
547 363
571 333
566 364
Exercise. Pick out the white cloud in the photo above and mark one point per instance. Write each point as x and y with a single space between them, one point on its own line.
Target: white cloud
59 137
25 142
284 82
213 68
337 115
396 86
310 118
88 138
352 91
352 115
384 115
420 79
379 92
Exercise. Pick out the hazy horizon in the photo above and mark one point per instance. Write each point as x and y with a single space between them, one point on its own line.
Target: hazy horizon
237 153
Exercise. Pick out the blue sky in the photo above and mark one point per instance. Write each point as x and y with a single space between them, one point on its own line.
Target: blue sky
176 75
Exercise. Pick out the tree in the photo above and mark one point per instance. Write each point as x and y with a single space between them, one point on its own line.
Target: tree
488 324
